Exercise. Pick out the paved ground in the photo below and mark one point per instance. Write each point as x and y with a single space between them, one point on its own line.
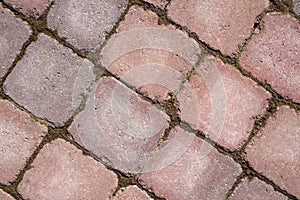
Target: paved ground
157 99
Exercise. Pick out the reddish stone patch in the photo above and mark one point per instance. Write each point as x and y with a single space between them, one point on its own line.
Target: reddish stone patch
30 8
275 151
50 80
132 193
223 24
255 189
5 196
195 175
19 137
273 55
14 33
227 102
61 171
85 24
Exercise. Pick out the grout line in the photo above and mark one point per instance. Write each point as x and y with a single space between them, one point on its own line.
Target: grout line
235 184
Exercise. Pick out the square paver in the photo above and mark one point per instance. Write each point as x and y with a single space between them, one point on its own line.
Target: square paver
14 33
61 171
19 137
50 80
273 55
222 24
85 24
275 151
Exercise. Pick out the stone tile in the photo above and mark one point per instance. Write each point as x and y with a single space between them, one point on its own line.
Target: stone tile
14 33
296 6
30 8
119 127
5 196
132 193
224 24
50 80
275 151
142 62
61 171
216 96
255 189
19 137
273 55
194 175
85 24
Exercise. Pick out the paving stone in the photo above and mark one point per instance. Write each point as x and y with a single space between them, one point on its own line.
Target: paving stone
255 189
273 55
194 175
61 171
143 62
5 196
224 24
131 192
30 8
222 95
19 137
50 80
14 33
275 151
296 6
85 24
122 129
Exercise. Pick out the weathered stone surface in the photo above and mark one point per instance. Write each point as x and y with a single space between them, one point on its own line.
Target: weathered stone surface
273 55
296 6
222 95
5 196
50 80
19 137
275 151
159 3
224 24
200 173
132 193
85 24
14 33
61 171
30 8
256 189
119 127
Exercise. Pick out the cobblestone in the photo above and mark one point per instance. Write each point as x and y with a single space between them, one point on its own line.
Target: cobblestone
13 35
67 174
131 192
275 153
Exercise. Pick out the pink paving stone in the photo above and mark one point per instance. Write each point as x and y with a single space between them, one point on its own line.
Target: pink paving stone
132 193
273 55
5 196
143 62
275 151
50 80
118 126
14 32
223 24
19 137
226 102
61 171
296 6
255 189
194 175
85 24
30 8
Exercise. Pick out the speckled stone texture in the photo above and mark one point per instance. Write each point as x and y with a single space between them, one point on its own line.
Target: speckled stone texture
132 193
50 80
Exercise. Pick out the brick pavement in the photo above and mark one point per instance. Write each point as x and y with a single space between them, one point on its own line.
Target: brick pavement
156 99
